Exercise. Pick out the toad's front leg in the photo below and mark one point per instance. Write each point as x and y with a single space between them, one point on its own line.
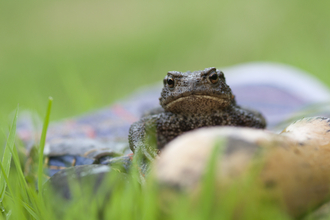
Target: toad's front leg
143 137
248 118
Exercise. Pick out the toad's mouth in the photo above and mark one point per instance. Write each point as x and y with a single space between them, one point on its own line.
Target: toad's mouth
198 103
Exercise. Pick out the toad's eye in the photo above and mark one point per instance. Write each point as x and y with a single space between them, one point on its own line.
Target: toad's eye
221 75
214 78
170 82
165 80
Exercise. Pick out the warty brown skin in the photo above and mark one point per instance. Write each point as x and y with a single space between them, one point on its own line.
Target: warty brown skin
190 100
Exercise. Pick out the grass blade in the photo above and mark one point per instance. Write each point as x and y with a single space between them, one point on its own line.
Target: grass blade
42 145
21 177
6 159
7 181
30 210
208 183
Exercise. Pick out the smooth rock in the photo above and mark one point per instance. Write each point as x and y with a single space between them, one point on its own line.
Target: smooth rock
294 166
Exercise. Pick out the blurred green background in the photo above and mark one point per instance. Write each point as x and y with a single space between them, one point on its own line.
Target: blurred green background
87 54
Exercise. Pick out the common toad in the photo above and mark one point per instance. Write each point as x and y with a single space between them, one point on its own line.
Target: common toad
190 100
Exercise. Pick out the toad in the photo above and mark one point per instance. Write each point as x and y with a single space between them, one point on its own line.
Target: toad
190 100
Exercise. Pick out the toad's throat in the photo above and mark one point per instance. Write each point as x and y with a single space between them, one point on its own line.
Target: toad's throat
197 103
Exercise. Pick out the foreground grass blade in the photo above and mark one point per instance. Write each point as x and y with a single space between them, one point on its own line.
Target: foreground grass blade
6 159
20 176
42 144
6 181
31 212
208 185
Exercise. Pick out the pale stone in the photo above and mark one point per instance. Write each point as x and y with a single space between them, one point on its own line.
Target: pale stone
295 164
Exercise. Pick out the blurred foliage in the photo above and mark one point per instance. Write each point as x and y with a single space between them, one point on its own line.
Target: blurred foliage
87 54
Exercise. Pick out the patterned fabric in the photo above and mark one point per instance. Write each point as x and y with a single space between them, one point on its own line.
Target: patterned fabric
279 92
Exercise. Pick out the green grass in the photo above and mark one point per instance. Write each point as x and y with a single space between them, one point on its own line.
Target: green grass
42 147
88 54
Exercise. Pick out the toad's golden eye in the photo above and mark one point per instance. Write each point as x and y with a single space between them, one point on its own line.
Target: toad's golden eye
214 78
221 75
165 81
170 82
